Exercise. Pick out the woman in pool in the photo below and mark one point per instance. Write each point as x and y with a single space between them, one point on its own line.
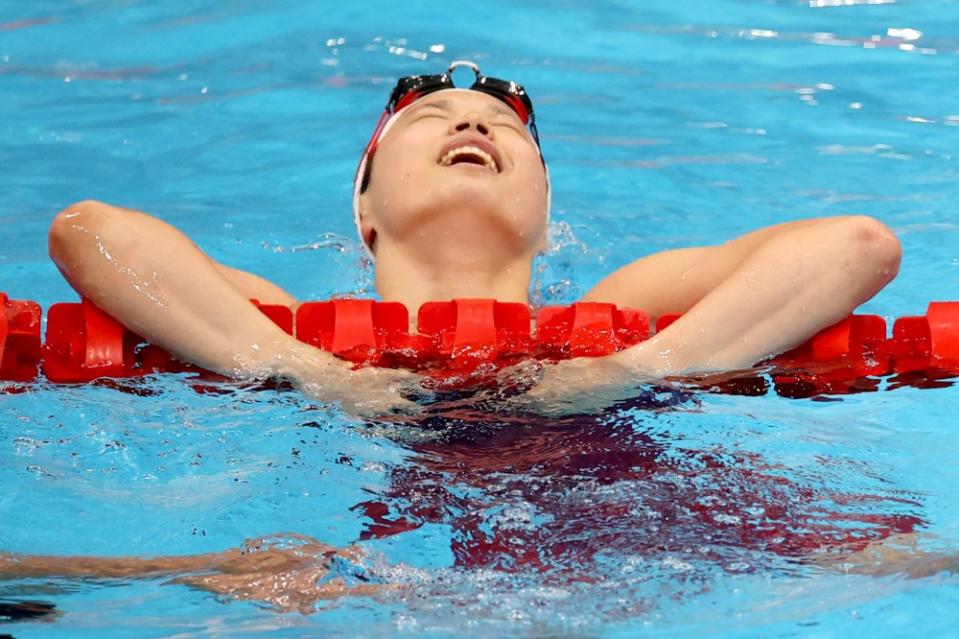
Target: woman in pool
452 200
458 206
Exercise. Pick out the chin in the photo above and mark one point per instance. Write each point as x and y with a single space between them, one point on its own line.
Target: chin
477 193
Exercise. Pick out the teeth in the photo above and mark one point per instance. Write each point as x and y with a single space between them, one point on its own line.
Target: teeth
451 155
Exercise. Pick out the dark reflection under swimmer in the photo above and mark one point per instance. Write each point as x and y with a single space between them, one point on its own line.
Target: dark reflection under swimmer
587 484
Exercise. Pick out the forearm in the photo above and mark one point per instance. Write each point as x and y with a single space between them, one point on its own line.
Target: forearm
899 554
154 280
675 281
255 287
30 566
785 291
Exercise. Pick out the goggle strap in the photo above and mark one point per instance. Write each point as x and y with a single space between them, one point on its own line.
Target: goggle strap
408 98
371 145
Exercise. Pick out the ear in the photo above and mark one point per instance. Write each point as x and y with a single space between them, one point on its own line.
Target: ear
543 243
365 224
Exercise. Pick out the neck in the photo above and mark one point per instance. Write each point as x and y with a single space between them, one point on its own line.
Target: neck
415 277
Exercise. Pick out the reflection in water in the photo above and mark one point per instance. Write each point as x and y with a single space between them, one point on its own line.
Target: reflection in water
564 497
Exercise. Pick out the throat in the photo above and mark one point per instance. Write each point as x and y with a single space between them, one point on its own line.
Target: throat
417 279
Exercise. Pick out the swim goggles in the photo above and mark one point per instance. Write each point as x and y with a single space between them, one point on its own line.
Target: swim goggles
411 88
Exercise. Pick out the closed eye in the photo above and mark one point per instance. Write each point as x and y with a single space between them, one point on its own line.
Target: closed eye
509 122
429 114
430 110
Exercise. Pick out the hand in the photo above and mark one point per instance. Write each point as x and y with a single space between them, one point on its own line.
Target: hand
367 391
896 555
289 572
581 385
287 576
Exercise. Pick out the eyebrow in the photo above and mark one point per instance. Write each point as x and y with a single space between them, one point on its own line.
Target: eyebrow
446 105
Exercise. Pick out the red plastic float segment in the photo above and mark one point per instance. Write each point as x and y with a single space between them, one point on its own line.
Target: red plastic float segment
871 332
835 360
468 332
943 320
861 339
858 337
84 343
19 339
930 341
910 344
150 359
588 329
833 342
857 343
104 343
356 330
4 326
846 357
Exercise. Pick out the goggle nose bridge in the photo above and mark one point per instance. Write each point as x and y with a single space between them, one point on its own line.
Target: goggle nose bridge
455 64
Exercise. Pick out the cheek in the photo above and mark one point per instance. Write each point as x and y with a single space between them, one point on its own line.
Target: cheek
536 206
404 162
397 186
530 176
527 162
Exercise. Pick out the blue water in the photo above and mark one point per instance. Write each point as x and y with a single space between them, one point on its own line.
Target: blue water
664 126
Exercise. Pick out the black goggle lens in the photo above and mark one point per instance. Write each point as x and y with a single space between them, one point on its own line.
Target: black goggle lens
412 88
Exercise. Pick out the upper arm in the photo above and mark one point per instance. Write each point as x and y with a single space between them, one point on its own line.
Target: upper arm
82 219
667 282
674 281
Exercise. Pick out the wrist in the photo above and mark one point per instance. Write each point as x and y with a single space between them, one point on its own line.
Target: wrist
649 359
296 361
282 356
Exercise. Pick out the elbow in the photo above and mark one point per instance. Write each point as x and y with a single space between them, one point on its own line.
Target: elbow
72 230
875 248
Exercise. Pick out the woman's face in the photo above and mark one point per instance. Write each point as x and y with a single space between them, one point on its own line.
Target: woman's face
457 159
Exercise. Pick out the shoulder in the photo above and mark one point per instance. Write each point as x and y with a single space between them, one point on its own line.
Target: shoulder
669 281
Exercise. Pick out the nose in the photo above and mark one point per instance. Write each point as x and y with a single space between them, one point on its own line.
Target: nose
472 120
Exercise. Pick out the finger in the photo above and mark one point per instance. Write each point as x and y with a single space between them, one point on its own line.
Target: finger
384 407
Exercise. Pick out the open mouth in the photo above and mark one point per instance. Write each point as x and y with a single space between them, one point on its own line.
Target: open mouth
469 155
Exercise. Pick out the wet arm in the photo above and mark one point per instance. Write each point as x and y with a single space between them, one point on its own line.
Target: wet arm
757 296
279 553
255 287
675 281
155 281
29 566
897 555
288 576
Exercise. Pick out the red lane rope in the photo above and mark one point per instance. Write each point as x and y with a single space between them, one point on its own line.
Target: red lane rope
462 336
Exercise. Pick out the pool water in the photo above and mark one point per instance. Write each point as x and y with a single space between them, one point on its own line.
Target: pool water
665 125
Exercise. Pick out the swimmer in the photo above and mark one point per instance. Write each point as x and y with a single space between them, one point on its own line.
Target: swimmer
452 200
289 572
294 573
